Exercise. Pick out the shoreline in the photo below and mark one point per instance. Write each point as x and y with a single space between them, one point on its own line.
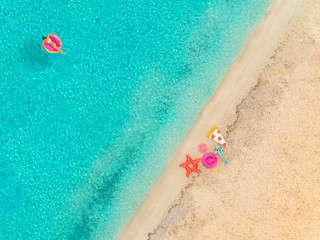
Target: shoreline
221 110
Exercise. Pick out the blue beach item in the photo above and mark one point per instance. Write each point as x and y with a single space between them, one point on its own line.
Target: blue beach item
219 151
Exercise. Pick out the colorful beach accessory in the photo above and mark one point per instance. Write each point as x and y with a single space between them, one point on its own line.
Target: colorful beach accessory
202 148
57 41
209 160
194 164
219 151
215 135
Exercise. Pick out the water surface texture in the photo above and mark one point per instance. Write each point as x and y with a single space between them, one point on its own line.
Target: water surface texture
84 136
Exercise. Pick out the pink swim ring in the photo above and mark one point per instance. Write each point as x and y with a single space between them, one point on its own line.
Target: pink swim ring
55 39
209 160
202 147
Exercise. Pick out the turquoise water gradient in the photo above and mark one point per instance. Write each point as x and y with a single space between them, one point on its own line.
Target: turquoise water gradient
84 136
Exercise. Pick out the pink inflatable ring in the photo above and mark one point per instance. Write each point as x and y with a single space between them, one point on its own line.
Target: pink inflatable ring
209 160
202 148
57 41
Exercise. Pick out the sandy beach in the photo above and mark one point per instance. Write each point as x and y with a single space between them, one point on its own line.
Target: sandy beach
267 108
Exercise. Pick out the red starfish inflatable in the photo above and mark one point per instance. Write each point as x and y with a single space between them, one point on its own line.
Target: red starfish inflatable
194 165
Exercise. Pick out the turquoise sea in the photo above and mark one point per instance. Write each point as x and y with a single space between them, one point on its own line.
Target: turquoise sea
84 136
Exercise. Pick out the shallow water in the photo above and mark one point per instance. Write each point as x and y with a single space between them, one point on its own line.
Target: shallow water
84 136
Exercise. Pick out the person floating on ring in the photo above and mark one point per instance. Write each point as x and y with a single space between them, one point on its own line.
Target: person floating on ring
52 44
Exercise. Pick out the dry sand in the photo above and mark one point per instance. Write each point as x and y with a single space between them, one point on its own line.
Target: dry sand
268 108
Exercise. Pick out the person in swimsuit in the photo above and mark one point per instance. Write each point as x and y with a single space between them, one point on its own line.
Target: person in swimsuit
52 43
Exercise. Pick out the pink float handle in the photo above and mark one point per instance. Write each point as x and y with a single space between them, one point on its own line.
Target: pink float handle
209 160
202 148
